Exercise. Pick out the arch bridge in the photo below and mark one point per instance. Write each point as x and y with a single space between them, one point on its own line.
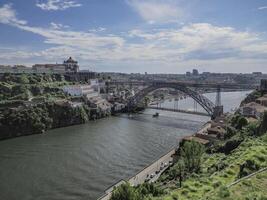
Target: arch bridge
211 108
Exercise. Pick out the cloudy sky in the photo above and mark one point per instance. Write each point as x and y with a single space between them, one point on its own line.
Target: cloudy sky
154 36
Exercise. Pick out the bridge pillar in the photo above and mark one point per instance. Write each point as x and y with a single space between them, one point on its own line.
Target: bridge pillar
218 111
218 96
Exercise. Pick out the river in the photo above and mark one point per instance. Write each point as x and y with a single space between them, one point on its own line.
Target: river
80 162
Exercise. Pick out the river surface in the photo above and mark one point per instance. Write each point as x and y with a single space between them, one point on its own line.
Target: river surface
80 162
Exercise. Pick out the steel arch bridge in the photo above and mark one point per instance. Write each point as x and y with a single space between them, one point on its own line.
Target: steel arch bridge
207 104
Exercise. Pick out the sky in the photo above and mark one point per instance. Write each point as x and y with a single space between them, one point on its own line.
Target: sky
137 36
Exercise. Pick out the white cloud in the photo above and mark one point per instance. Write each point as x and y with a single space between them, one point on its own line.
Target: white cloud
8 15
58 26
262 8
53 5
157 11
191 43
99 29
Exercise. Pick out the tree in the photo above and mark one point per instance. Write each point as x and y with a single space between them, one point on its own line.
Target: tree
180 169
125 192
192 152
253 128
23 79
263 127
241 122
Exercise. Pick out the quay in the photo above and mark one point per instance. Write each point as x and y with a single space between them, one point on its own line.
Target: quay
155 166
142 175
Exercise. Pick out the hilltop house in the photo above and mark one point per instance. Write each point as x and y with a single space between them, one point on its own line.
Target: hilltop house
252 109
262 100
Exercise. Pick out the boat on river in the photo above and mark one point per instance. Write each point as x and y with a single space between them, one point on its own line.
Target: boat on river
156 114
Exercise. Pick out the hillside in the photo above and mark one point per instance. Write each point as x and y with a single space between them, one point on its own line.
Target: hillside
222 170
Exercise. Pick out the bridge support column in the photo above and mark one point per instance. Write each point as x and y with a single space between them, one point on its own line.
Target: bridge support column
218 97
218 111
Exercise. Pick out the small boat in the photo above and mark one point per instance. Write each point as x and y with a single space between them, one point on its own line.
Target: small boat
156 114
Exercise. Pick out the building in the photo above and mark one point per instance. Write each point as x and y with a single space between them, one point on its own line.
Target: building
16 69
253 109
195 72
188 73
71 65
68 66
218 131
87 90
257 73
49 68
262 100
84 76
264 85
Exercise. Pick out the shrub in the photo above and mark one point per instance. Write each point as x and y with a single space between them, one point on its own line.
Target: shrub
248 167
241 122
125 192
223 192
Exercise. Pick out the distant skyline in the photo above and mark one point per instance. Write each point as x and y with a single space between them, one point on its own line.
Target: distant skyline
154 36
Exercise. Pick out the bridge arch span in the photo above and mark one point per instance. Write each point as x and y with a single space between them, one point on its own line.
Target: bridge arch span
203 101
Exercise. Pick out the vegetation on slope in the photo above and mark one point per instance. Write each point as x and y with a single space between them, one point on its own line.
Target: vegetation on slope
243 152
34 103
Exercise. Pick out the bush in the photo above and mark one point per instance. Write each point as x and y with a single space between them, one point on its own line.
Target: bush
241 122
125 192
223 192
248 167
253 129
149 189
230 132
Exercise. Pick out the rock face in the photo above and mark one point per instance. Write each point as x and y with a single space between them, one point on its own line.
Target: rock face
35 119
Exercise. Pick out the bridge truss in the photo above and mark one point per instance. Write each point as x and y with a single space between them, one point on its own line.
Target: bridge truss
208 105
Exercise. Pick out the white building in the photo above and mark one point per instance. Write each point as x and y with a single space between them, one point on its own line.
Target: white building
80 90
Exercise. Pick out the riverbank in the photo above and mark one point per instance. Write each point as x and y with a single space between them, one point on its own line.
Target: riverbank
235 150
41 117
149 174
153 171
32 104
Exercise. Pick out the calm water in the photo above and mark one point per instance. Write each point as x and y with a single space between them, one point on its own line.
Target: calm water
80 162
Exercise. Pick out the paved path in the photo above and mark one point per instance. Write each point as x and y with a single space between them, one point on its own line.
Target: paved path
246 177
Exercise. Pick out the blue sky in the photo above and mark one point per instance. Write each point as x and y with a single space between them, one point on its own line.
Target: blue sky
154 36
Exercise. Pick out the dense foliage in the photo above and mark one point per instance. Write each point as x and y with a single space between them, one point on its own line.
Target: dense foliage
40 117
26 86
141 192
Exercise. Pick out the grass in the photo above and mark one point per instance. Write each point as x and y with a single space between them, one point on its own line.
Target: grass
252 188
211 183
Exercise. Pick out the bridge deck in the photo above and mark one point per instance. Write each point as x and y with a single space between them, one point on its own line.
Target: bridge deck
180 111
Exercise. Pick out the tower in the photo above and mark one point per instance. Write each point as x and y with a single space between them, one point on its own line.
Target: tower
71 65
